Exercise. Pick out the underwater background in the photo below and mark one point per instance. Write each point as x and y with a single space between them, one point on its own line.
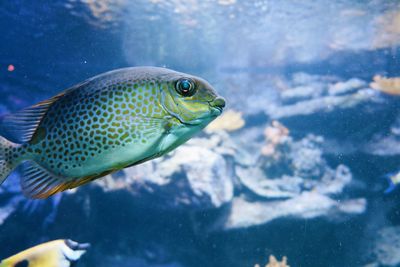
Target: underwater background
297 166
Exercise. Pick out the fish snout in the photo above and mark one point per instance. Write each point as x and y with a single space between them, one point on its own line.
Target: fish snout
218 103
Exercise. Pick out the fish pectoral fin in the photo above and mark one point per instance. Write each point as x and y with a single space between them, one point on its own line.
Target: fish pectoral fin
38 182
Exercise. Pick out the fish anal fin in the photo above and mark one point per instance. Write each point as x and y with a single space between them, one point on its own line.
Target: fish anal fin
84 180
38 182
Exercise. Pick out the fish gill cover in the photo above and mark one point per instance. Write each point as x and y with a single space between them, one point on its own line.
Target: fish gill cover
297 167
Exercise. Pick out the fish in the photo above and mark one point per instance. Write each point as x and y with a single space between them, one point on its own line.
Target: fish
106 123
393 180
57 253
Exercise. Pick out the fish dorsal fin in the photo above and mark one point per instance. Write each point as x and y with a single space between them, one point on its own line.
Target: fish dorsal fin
38 182
22 124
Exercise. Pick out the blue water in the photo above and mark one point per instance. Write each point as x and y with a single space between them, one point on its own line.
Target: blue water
254 53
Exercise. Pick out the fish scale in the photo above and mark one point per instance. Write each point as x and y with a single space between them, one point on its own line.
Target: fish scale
88 114
111 121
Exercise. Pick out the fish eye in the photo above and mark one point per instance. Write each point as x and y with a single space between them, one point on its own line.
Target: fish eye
185 87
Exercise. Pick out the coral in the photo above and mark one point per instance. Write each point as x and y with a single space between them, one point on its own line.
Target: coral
306 157
308 205
385 144
386 85
312 95
194 175
273 262
325 104
229 121
294 167
387 30
299 183
102 14
275 135
387 245
346 86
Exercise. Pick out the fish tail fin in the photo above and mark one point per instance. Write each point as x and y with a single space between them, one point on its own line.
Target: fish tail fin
391 187
73 251
7 158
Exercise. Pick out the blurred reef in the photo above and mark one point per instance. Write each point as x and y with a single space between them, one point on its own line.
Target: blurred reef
274 173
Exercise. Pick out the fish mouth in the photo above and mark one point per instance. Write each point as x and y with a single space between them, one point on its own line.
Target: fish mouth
216 107
213 113
216 111
199 121
217 104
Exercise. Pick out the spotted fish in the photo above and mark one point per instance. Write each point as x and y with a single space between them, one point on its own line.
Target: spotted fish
57 253
111 121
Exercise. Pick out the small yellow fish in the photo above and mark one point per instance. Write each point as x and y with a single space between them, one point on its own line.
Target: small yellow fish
112 121
394 180
58 253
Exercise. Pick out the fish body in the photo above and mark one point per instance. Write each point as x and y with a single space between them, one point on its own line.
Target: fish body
58 253
109 122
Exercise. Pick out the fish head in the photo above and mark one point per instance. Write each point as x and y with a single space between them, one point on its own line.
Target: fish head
191 100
